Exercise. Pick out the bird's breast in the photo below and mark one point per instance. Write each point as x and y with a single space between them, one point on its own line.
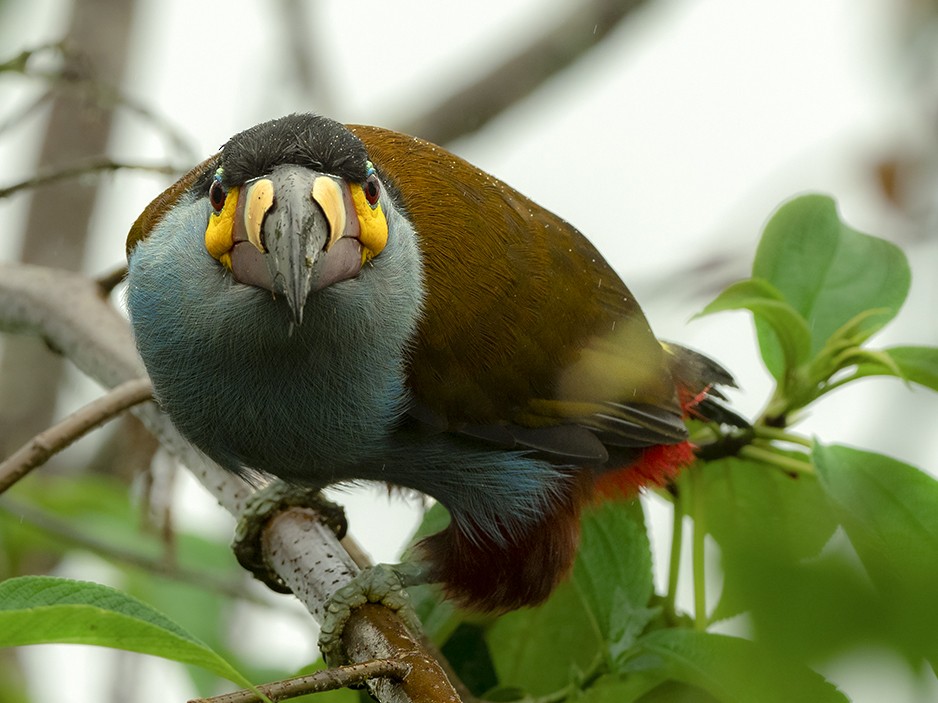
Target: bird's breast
243 383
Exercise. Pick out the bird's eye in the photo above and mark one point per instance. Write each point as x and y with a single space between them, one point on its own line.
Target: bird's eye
217 195
372 189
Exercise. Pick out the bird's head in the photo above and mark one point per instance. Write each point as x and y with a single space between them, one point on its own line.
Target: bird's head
296 206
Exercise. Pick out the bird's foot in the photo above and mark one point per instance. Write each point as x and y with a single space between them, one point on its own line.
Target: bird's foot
383 584
263 505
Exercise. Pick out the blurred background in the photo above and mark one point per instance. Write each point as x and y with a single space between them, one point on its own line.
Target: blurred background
666 130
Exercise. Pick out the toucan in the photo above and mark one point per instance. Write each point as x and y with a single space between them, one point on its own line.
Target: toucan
328 303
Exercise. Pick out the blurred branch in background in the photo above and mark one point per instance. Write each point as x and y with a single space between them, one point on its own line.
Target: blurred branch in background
307 62
38 450
906 172
81 74
583 28
78 128
88 167
67 68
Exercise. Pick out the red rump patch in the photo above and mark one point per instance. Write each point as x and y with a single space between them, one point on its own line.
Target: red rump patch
656 467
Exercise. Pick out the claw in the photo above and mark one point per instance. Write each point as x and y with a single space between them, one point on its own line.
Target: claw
265 504
383 584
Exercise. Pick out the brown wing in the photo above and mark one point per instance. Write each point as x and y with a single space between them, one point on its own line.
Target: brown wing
526 325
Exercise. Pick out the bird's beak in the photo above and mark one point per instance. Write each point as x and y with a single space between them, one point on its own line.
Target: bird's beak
308 239
294 232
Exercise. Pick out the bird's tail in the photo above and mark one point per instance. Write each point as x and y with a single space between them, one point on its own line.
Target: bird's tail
700 380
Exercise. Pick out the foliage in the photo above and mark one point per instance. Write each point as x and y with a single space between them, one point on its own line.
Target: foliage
821 546
188 581
37 609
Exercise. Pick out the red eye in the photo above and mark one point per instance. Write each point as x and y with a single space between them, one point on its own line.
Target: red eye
372 189
217 195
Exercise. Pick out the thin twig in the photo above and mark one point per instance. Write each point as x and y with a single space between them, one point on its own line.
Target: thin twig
791 467
96 165
780 435
355 550
22 113
326 680
74 74
674 561
698 552
48 442
65 531
110 280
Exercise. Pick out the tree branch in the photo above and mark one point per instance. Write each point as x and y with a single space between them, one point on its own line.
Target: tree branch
67 309
586 25
96 165
328 680
75 73
53 440
64 531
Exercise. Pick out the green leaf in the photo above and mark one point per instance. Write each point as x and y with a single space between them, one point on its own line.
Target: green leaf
890 513
613 571
46 609
872 358
827 271
614 688
540 650
892 506
469 657
805 594
207 613
792 338
915 364
751 505
95 512
754 511
601 610
731 669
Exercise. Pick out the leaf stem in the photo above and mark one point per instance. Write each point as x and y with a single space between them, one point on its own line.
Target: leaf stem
832 385
787 464
698 556
674 562
780 435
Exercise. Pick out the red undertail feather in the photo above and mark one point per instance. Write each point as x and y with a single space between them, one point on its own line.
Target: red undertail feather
484 574
656 467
